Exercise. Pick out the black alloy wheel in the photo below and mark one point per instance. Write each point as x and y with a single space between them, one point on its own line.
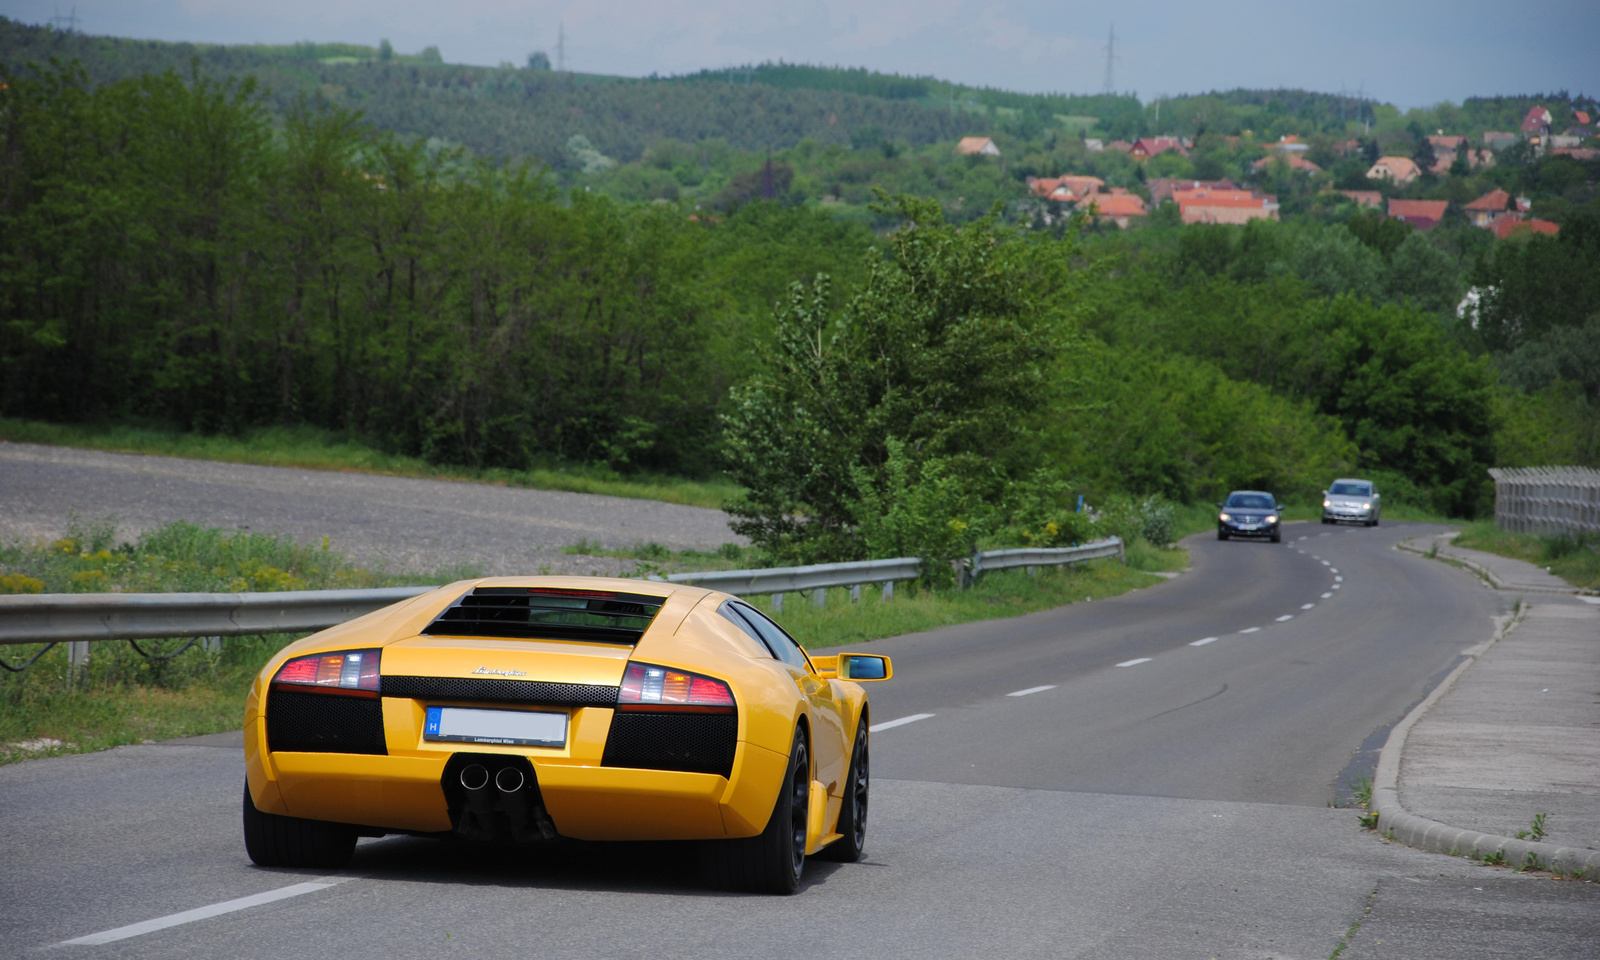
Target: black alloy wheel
851 847
772 861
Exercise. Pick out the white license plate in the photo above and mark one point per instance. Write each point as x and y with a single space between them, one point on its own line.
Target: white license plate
1249 526
516 728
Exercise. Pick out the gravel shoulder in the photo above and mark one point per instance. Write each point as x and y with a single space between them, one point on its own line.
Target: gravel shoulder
394 523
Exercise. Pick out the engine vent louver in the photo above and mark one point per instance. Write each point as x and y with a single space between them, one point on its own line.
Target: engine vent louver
548 613
688 742
324 723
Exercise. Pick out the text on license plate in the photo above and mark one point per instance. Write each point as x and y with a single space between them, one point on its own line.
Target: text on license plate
518 728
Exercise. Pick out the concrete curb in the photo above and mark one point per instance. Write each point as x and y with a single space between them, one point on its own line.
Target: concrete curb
1484 572
1395 822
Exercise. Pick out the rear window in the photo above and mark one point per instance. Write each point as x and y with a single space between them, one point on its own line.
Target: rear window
1351 490
548 613
1250 501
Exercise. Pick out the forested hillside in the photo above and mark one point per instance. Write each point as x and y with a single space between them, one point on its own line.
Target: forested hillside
186 248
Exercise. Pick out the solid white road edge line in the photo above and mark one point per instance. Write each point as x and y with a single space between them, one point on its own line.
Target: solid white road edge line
1131 663
891 724
1201 643
1024 693
203 913
1249 629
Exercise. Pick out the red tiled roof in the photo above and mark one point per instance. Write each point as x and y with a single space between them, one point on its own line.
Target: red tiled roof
1536 118
1119 205
1418 209
1495 200
1508 226
1219 198
1447 141
1582 116
1150 146
1577 153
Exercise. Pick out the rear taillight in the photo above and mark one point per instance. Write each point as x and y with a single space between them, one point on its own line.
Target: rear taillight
348 671
647 687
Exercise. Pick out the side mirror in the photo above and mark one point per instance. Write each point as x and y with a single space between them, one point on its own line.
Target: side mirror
1324 493
864 666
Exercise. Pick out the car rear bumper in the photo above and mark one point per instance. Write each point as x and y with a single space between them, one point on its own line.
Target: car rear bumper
402 790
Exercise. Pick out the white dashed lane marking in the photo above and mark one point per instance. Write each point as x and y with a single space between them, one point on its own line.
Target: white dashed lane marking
891 724
1307 606
1333 569
1024 693
1326 595
1201 643
1249 629
1335 586
1338 579
1131 663
1287 616
1325 563
203 913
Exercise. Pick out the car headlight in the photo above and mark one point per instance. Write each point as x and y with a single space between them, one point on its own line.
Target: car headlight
1327 503
1272 518
1223 516
1366 506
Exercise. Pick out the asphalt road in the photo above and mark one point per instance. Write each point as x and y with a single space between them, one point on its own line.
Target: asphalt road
396 523
1171 806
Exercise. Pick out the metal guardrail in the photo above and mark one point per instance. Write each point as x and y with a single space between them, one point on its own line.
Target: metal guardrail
1547 500
82 617
61 617
1047 556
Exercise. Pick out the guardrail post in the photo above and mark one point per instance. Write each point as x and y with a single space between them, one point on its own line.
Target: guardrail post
777 603
77 658
819 596
855 593
888 590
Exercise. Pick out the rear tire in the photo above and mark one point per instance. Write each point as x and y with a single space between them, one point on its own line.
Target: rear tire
853 811
278 841
773 861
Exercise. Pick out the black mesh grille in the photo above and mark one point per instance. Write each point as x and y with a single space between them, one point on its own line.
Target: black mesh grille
492 690
690 742
324 723
548 613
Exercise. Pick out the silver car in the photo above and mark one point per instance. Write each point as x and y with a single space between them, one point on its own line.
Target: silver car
1351 501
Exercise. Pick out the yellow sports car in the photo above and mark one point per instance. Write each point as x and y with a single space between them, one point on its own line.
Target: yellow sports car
531 709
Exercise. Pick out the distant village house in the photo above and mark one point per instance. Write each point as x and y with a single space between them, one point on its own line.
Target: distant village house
977 147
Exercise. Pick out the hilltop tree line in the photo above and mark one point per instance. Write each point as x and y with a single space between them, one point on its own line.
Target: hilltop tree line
174 250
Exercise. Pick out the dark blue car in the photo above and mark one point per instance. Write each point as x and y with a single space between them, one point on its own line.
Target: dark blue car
1249 513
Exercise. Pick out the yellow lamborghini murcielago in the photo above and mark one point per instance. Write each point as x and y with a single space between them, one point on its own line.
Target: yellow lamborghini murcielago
532 709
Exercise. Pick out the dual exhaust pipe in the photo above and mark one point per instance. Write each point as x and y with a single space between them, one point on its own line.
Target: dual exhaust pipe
475 777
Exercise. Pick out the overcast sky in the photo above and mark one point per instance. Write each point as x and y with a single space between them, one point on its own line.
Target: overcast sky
1406 52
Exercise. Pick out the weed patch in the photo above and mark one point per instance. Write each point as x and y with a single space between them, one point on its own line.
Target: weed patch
1575 559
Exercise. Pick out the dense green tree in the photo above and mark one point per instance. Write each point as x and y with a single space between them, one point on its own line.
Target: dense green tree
941 354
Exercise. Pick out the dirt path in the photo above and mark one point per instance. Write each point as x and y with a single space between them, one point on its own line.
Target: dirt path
392 522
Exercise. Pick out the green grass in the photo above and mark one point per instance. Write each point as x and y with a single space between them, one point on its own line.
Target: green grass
1574 559
124 696
314 449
